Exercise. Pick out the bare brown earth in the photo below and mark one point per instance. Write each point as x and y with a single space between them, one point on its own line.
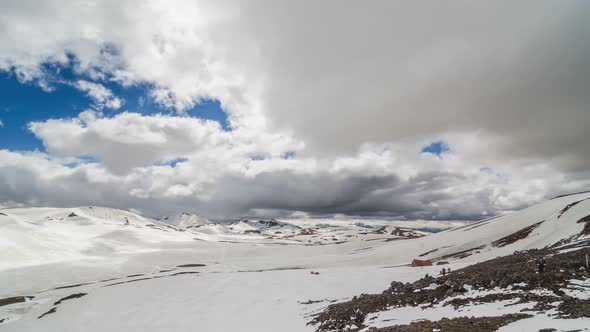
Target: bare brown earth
502 272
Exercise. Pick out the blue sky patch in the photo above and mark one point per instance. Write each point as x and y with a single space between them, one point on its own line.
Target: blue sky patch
436 148
289 155
81 160
258 157
172 163
22 103
210 109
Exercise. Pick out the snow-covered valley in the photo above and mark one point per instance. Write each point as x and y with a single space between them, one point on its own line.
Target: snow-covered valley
101 269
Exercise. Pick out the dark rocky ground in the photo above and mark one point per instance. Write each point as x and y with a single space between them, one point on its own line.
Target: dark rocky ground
462 324
502 272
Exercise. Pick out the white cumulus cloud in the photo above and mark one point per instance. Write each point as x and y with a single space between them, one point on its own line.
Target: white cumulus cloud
102 96
351 91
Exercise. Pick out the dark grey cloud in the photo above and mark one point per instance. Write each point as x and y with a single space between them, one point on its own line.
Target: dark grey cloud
383 71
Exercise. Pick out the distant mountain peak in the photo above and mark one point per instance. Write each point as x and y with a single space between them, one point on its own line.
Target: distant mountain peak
184 220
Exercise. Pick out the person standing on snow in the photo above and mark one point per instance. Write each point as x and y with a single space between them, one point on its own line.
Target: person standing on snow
541 264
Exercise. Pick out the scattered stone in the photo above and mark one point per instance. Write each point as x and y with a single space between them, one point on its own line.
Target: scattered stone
308 231
574 308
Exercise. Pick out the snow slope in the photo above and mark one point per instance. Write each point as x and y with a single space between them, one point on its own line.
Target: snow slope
249 282
33 236
555 225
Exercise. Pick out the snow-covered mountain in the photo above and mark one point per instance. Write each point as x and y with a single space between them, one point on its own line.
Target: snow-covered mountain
33 235
559 221
30 236
247 226
185 220
115 259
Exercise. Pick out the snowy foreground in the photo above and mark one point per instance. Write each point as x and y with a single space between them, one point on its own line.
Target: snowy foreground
99 269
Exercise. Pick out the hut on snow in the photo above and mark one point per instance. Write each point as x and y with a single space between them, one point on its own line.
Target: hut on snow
420 262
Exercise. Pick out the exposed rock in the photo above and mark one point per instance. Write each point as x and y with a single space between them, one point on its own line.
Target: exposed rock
51 311
574 308
521 234
502 272
586 229
462 324
15 299
191 265
567 207
70 297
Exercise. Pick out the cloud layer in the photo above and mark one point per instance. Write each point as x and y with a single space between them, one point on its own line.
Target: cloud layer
350 92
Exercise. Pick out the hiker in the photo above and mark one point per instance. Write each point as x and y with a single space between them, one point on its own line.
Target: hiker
449 270
444 272
541 264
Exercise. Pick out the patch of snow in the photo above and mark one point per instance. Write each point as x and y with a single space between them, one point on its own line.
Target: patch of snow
407 315
545 321
579 289
225 301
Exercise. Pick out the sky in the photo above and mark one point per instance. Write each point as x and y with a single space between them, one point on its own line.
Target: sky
455 110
